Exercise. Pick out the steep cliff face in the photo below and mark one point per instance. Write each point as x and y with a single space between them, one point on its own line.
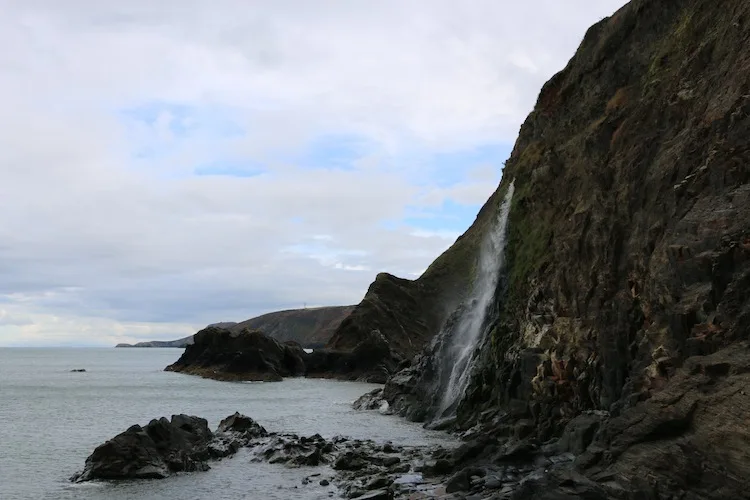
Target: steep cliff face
630 232
628 263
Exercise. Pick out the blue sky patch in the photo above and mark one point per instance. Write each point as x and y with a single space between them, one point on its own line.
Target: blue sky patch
449 169
231 168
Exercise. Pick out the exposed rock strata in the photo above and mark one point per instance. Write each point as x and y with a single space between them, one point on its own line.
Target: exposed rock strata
627 310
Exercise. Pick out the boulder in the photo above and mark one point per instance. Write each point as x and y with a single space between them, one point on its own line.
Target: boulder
155 451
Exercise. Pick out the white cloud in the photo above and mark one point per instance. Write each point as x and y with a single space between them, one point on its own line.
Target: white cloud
109 107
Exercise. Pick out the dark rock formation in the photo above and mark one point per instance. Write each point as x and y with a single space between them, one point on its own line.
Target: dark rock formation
155 451
78 370
250 355
371 360
358 468
623 320
240 355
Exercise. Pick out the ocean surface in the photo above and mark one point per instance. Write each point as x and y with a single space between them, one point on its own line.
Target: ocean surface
51 419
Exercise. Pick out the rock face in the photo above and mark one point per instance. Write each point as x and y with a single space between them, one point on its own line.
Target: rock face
240 355
628 266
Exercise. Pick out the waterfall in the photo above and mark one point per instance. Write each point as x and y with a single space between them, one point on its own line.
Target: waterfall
457 344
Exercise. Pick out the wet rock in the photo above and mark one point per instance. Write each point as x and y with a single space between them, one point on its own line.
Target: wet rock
243 425
78 370
349 461
373 400
440 467
390 461
378 482
324 482
377 495
470 450
458 482
155 451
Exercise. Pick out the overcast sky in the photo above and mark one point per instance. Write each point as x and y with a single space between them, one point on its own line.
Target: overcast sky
168 164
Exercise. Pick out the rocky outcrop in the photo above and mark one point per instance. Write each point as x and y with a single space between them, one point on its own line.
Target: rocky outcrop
240 355
249 355
154 451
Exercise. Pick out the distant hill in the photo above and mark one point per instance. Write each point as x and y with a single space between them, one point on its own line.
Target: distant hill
183 342
311 327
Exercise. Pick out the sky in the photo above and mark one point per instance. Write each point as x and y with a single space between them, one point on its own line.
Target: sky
171 164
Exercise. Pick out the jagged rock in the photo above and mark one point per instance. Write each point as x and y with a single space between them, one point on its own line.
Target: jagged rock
440 467
155 451
373 400
579 433
349 461
243 425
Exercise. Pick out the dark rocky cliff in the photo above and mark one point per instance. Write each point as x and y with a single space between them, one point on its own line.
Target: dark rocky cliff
630 231
623 324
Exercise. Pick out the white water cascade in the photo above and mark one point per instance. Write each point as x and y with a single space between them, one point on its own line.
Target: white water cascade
459 345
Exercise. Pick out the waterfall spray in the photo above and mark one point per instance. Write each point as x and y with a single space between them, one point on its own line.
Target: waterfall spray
458 347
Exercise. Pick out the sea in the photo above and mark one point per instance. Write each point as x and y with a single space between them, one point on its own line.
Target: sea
51 419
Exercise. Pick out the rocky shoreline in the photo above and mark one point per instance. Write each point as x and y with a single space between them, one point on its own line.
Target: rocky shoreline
356 468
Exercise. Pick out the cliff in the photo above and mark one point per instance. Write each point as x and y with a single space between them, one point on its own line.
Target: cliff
622 319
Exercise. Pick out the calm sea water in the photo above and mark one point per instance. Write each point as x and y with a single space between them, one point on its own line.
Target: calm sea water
52 419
